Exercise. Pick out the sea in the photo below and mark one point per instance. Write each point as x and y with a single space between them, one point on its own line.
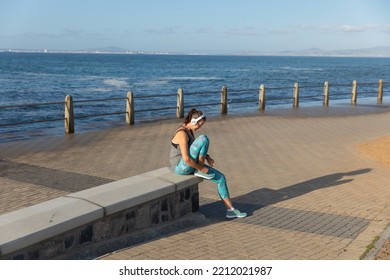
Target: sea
154 80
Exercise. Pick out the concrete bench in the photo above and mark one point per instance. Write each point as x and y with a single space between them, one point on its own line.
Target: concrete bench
91 222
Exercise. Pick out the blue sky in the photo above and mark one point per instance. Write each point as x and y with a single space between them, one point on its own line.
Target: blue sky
212 26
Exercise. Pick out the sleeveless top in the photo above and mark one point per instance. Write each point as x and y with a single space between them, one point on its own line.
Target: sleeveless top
175 154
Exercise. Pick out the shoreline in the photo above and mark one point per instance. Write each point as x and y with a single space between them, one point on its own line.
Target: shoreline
340 107
358 53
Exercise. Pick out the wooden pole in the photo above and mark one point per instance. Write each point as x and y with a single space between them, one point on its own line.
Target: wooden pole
262 97
224 100
296 95
326 94
130 108
180 104
69 116
354 92
380 92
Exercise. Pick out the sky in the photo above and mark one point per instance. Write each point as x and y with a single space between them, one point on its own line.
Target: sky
194 26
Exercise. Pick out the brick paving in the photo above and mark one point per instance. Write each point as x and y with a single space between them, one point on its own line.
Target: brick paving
308 192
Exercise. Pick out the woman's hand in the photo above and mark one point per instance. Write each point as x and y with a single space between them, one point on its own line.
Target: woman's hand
210 161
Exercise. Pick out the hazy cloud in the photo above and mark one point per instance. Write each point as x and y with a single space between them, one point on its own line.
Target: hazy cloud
386 28
347 28
65 33
247 32
38 35
357 28
204 30
282 31
163 31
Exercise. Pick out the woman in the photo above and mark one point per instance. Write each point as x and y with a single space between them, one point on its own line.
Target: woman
188 156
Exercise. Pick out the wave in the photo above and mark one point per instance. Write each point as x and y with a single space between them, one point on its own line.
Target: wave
190 78
87 78
169 80
151 83
98 90
187 78
118 83
301 69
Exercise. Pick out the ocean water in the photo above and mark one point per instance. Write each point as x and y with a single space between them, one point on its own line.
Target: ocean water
27 78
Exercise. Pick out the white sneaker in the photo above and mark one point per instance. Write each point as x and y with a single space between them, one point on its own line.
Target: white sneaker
204 175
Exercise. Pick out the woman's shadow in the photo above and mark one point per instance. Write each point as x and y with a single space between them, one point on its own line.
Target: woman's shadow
255 200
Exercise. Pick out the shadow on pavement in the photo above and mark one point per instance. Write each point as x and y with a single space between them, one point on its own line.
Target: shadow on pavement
255 200
258 205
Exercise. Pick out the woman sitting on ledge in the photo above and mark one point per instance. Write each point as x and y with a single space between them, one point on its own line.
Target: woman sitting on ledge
188 156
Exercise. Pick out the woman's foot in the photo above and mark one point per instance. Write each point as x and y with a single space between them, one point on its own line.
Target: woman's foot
235 213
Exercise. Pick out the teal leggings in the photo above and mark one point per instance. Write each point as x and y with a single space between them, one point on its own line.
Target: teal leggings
199 148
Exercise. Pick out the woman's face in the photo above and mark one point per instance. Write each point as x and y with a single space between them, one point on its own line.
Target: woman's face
199 124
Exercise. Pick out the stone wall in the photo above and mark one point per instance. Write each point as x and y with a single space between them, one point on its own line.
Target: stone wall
126 228
101 219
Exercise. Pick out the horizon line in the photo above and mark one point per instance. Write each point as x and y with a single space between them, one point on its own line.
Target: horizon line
311 52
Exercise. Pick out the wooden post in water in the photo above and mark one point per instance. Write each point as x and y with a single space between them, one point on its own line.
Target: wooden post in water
130 108
380 92
69 116
326 94
354 92
296 95
180 104
262 97
224 100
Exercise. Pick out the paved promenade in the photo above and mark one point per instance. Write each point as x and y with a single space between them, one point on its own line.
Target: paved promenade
308 192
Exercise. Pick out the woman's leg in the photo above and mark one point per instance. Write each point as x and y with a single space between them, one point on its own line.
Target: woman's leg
222 187
199 148
198 151
223 192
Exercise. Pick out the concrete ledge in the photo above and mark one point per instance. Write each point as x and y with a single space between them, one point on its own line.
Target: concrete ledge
33 224
95 215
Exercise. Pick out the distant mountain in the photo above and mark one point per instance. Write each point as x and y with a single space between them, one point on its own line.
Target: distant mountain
381 51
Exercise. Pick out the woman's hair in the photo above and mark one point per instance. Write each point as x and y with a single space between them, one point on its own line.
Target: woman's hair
193 114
